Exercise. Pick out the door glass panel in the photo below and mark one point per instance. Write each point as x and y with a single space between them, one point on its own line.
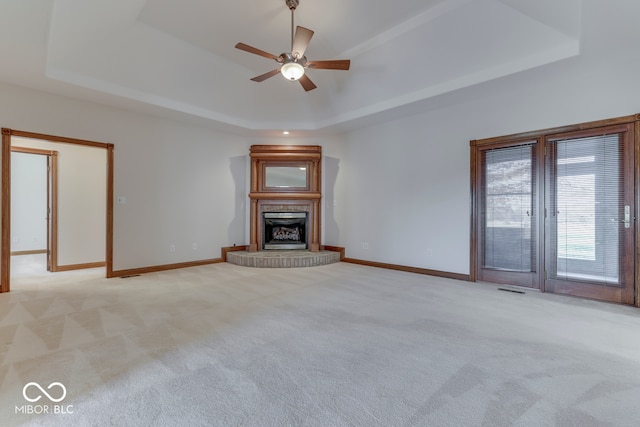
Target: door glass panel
588 209
508 209
576 222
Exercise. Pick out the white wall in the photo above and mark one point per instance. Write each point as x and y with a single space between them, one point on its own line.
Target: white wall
184 184
29 202
400 186
405 187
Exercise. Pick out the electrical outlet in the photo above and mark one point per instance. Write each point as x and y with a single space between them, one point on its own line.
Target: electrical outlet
172 248
364 245
194 246
429 252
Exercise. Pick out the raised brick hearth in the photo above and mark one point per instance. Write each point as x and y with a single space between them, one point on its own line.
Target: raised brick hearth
282 259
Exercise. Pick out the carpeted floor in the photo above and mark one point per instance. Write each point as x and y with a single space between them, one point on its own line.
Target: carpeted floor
337 345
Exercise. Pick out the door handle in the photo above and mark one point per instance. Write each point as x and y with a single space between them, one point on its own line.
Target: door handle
627 216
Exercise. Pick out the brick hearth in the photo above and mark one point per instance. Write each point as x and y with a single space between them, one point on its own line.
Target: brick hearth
282 259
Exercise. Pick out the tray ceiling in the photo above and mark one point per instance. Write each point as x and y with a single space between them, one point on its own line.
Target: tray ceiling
179 57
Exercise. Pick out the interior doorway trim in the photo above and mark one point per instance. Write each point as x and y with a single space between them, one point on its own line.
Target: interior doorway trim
5 200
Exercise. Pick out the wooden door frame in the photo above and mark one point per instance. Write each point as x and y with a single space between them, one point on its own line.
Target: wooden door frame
5 200
505 277
622 295
541 134
52 201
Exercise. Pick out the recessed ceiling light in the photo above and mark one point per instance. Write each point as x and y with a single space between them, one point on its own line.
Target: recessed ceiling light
286 132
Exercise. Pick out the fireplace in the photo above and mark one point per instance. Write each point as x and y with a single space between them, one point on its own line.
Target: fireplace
285 197
284 230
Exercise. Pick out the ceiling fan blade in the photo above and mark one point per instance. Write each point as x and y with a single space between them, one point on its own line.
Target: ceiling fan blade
301 41
339 64
265 76
306 83
256 51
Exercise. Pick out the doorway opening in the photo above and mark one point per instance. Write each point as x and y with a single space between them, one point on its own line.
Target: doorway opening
60 258
34 229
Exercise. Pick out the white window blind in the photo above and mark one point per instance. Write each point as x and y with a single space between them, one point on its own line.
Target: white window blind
587 214
508 208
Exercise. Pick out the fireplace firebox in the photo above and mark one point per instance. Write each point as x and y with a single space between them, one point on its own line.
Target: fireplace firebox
284 230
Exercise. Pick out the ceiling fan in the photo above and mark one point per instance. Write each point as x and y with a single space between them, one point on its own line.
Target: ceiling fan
293 63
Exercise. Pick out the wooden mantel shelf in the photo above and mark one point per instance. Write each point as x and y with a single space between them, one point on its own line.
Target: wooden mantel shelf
286 151
285 196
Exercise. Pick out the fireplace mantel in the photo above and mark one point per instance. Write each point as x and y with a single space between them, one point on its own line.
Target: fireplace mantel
285 178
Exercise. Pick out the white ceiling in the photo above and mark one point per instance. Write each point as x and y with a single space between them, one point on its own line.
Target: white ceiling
178 57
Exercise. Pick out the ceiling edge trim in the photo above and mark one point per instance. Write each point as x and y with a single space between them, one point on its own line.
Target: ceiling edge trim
405 27
555 54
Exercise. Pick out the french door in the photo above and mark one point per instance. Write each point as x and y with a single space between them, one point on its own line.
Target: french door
557 211
508 217
590 215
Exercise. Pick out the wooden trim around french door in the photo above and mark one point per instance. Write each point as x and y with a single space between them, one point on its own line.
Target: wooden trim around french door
560 129
591 288
5 198
475 209
541 136
637 219
532 279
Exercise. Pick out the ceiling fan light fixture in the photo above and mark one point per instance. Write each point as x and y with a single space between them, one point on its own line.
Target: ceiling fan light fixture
292 64
292 71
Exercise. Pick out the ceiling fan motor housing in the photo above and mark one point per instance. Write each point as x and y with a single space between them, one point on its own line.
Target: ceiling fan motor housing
287 57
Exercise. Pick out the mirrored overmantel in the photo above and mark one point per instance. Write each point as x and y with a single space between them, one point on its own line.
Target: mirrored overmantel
285 178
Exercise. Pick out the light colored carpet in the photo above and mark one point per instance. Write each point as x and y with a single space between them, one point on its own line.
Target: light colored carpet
337 345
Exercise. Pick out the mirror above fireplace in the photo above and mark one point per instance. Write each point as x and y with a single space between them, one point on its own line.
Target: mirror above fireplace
286 176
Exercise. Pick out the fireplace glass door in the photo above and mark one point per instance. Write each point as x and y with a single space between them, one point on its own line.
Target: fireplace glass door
284 230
